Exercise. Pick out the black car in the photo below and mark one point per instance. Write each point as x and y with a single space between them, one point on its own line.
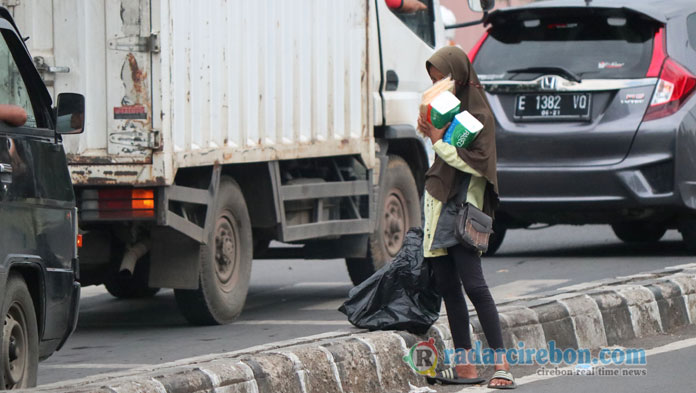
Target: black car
38 218
596 115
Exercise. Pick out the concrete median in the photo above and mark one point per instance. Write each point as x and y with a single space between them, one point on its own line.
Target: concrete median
591 315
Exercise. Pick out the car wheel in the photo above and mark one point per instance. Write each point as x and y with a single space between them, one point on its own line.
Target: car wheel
225 263
496 239
123 286
639 232
20 337
400 210
688 232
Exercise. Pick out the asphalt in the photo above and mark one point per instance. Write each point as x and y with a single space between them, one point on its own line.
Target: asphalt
290 299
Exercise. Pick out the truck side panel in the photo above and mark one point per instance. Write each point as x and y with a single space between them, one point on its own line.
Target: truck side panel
264 80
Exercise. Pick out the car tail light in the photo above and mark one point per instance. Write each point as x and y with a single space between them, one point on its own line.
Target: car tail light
118 203
474 51
675 83
673 88
79 241
659 54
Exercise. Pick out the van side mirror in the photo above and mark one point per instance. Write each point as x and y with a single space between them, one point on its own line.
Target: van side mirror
481 5
70 114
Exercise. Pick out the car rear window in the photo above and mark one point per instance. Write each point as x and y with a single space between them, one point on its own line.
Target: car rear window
591 46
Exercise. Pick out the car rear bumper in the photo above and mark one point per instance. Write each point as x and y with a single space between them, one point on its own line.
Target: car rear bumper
587 194
656 180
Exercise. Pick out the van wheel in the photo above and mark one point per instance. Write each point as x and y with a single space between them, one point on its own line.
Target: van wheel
225 263
400 210
496 239
20 337
639 231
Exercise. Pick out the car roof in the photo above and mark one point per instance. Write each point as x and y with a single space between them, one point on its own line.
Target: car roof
661 11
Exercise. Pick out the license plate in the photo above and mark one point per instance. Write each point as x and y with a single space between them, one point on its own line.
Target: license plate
561 106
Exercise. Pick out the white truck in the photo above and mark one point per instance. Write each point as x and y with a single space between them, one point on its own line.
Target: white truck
214 127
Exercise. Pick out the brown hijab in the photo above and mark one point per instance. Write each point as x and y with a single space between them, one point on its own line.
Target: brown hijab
441 179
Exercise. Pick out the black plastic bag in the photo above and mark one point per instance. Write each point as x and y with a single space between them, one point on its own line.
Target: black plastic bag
399 296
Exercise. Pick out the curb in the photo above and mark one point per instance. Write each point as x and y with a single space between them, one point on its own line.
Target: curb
591 315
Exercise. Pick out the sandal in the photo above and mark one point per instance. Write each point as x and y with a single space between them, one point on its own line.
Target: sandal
450 377
502 374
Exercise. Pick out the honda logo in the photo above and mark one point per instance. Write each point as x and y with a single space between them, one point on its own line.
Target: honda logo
548 83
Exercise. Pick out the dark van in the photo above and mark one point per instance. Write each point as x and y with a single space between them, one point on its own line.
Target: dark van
38 218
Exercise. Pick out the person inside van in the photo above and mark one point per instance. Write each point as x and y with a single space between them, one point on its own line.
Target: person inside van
13 115
406 6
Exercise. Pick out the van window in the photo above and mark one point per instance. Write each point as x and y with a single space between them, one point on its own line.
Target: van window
591 46
13 90
691 27
421 22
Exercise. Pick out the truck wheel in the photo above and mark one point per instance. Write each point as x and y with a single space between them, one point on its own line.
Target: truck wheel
399 211
225 263
496 239
124 286
20 337
639 232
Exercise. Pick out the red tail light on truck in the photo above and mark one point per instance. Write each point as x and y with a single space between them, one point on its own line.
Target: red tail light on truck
118 203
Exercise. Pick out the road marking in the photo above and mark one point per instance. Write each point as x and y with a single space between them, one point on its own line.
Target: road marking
291 322
114 366
331 305
522 287
674 346
323 284
92 291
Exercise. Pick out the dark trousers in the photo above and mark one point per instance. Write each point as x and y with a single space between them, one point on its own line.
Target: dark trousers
462 266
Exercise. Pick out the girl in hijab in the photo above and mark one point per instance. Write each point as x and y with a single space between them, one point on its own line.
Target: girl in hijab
458 265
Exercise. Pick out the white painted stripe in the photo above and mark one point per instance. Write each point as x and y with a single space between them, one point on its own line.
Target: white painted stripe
331 305
373 353
334 367
299 368
519 288
684 266
323 284
91 291
214 378
685 298
58 270
675 346
291 322
253 386
114 366
159 386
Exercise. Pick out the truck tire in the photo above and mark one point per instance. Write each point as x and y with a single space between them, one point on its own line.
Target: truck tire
225 263
639 232
399 211
123 286
496 239
20 337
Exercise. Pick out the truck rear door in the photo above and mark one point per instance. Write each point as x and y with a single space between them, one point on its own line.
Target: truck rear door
104 50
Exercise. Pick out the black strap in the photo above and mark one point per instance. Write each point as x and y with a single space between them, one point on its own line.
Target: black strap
463 189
